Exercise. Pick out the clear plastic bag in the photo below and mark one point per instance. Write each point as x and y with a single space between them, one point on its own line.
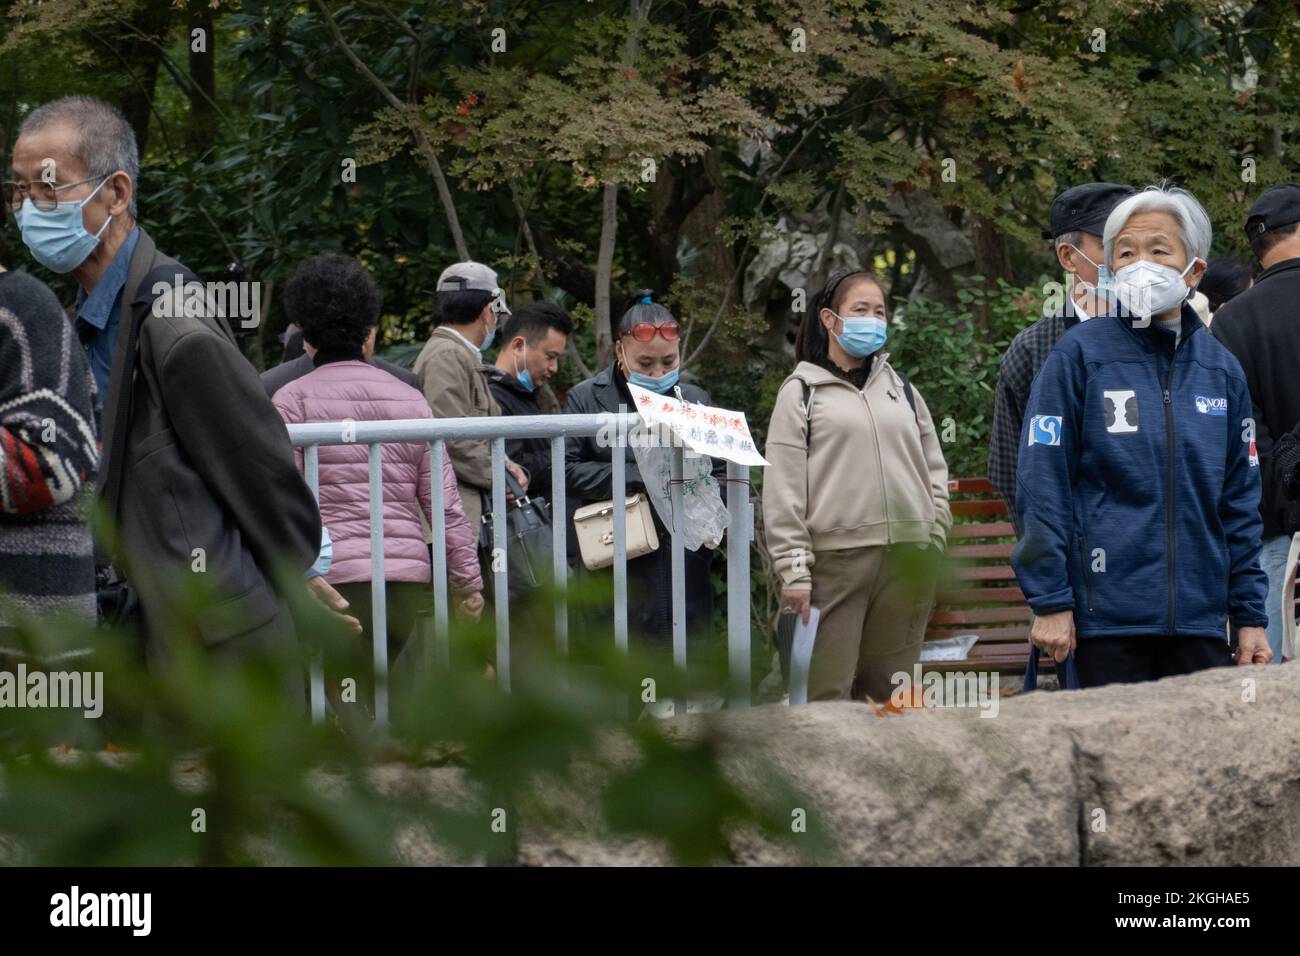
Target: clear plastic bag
705 516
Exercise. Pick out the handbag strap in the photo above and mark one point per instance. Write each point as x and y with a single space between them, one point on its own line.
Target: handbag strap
134 312
1070 674
516 489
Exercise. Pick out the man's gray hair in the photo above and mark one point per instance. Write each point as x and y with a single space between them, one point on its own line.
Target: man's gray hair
1193 221
1071 238
105 140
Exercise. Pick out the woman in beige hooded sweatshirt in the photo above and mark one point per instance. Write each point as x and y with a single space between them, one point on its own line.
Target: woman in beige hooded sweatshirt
856 486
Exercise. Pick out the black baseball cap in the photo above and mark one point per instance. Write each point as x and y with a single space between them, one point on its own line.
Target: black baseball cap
1085 208
1276 206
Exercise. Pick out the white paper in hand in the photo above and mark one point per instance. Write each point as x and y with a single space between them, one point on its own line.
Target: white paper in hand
801 656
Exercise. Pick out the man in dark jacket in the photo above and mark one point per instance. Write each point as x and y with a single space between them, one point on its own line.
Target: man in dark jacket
1076 219
533 340
198 474
1138 488
274 379
1261 327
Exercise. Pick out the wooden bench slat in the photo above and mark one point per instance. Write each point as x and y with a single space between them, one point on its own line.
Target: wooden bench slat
1000 572
991 635
983 615
982 529
976 551
980 596
978 507
977 486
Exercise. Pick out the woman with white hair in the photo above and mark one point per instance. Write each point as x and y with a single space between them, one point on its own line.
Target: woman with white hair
1138 483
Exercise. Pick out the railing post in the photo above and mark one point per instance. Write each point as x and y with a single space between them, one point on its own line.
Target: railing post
559 545
315 669
378 592
441 649
678 575
618 458
501 574
740 531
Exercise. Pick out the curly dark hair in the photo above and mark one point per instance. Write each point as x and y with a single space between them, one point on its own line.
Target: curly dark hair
334 300
811 343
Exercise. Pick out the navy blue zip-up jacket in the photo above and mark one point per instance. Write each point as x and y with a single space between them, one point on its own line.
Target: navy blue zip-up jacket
1138 487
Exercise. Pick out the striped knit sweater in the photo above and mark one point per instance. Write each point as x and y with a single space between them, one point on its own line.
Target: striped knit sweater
48 457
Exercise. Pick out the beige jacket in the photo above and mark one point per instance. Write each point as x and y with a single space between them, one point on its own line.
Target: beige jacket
874 473
452 378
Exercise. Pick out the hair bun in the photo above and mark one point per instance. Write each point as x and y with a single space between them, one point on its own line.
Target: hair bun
644 296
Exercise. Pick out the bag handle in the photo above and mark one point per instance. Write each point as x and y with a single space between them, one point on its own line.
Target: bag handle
516 489
1070 675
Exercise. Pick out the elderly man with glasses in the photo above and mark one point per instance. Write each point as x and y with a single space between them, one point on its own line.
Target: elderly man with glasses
198 475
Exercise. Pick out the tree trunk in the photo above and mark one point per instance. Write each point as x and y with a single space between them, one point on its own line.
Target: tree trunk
604 269
992 258
153 20
717 258
200 127
640 10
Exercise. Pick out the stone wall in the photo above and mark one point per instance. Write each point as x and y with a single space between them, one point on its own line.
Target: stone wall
1184 771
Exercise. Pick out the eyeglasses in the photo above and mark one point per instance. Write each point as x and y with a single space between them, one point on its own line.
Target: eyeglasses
645 331
44 196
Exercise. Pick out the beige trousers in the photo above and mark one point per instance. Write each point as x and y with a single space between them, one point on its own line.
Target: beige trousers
874 609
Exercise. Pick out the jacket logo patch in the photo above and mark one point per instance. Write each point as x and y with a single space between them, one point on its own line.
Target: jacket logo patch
1045 430
1121 411
1208 405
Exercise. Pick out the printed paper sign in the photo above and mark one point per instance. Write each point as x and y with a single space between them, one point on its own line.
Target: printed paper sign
710 431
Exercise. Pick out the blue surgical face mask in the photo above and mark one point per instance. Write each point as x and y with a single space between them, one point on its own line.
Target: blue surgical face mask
522 375
863 334
1105 281
58 239
487 341
661 384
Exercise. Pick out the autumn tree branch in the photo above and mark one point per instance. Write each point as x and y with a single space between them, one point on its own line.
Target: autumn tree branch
410 113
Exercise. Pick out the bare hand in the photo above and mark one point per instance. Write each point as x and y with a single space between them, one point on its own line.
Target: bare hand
1252 646
470 607
333 602
798 600
1054 633
521 476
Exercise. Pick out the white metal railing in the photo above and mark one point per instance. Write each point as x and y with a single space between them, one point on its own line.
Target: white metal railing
556 428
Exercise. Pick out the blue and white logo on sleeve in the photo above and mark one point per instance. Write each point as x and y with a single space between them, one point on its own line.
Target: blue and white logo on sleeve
1210 405
1045 430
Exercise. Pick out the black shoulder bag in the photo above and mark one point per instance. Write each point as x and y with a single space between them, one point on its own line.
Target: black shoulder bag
528 543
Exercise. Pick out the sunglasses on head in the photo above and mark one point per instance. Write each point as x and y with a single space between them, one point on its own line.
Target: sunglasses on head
645 331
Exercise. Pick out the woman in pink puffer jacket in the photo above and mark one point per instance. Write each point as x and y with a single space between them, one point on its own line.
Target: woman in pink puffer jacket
336 302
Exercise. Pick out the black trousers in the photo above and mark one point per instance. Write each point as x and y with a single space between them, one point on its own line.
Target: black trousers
1128 660
406 600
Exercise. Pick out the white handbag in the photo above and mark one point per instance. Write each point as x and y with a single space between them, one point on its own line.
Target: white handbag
594 525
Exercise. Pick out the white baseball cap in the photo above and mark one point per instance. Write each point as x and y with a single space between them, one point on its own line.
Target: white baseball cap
466 276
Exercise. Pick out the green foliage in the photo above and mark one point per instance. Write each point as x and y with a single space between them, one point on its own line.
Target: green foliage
951 356
210 733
